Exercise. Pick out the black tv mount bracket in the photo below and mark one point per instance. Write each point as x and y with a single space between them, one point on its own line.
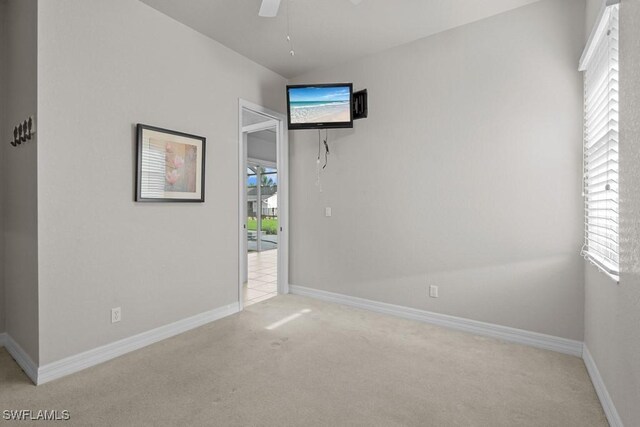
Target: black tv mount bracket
360 110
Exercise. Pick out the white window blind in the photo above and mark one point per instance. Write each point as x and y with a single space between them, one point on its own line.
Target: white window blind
601 219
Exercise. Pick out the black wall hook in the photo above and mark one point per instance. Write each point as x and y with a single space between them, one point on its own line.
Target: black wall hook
15 137
23 132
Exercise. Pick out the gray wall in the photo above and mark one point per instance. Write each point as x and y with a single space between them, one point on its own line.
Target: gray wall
105 66
466 175
3 135
592 10
612 311
19 178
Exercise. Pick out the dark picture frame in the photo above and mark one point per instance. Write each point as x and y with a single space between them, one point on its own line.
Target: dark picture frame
170 165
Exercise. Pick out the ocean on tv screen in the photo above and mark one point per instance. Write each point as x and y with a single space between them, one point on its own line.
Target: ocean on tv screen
319 104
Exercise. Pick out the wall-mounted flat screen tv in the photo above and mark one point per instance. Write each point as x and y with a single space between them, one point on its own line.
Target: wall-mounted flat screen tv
320 106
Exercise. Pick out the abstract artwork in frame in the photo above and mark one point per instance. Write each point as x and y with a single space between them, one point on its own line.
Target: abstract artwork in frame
170 166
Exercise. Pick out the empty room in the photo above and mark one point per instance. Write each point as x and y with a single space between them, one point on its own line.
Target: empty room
320 212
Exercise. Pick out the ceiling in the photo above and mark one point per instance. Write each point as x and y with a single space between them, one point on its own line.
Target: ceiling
325 32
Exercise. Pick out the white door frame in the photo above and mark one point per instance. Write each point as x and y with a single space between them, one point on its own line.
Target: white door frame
282 158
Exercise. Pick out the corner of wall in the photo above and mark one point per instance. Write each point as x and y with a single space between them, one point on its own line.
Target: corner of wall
3 84
19 177
428 118
612 310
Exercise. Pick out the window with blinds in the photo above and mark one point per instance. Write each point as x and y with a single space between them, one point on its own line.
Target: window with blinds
600 64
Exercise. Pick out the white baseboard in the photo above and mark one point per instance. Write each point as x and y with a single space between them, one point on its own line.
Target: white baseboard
534 339
87 359
601 390
20 356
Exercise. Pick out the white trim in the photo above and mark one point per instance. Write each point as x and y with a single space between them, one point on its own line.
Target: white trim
87 359
601 390
534 339
257 127
594 261
596 32
282 162
282 157
20 356
243 243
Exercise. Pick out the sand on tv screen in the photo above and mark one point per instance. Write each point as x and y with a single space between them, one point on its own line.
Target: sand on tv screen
317 104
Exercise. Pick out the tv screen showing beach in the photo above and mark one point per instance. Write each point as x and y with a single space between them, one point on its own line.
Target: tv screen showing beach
308 105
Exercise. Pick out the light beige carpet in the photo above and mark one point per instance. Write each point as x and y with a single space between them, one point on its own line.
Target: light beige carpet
296 361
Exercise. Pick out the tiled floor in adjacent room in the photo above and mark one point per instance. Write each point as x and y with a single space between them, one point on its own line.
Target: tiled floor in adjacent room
263 276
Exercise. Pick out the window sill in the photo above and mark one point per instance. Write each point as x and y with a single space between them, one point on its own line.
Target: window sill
613 275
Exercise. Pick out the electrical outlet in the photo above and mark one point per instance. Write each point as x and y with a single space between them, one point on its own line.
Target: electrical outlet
116 315
327 211
433 291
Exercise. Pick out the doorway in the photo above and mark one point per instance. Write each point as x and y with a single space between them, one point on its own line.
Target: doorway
263 204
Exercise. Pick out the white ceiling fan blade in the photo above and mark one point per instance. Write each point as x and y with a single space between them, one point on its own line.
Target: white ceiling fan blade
269 8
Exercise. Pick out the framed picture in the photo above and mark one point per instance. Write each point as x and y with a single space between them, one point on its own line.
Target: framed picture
170 166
